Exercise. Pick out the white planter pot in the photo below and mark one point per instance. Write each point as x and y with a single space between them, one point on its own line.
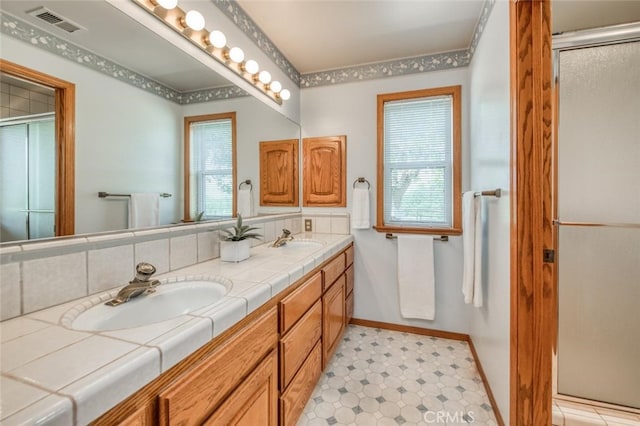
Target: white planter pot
235 251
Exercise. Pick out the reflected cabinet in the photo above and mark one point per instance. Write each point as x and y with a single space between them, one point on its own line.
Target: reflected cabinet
279 173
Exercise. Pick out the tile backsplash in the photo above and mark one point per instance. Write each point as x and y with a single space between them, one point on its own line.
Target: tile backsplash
38 275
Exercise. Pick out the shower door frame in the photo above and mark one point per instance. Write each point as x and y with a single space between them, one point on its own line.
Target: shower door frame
603 36
65 141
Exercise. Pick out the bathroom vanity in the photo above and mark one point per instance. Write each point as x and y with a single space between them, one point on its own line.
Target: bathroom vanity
260 371
251 358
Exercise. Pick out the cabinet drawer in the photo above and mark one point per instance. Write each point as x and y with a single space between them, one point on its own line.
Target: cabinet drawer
348 308
348 253
297 303
192 398
349 274
296 345
333 271
295 398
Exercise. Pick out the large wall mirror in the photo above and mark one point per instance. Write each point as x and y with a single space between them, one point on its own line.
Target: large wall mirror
128 137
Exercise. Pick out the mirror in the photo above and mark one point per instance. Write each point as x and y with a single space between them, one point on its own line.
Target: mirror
129 139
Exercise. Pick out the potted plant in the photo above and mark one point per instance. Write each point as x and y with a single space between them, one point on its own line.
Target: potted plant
235 245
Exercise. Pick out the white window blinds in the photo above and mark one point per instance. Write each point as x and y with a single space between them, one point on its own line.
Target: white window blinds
418 164
212 163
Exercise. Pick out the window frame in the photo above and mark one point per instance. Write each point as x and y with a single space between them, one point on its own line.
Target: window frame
456 158
188 121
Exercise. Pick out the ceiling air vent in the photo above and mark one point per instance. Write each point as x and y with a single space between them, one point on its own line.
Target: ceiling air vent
55 19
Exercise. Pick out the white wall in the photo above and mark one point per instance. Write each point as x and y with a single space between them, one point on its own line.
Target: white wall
490 165
125 140
350 109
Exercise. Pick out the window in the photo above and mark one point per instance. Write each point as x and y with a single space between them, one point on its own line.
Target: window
419 161
210 158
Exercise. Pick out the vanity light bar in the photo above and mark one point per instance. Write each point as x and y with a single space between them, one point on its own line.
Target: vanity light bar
214 43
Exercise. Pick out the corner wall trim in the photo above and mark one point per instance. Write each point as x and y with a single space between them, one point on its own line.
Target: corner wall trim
444 335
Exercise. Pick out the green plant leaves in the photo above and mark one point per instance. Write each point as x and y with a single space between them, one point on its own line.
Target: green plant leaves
241 232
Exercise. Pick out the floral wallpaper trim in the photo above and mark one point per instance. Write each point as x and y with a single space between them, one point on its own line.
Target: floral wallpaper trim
487 7
23 31
208 95
418 64
244 22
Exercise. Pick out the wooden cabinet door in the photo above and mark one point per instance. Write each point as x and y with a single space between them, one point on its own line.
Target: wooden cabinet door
191 398
325 168
255 401
279 173
332 319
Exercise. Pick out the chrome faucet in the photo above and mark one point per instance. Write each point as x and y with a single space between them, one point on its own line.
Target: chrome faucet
138 286
282 239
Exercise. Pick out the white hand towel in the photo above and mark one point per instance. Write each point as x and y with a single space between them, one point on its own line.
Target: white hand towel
360 211
472 248
416 281
144 210
245 202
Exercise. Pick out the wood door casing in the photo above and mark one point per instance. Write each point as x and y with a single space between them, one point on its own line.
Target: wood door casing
279 173
325 169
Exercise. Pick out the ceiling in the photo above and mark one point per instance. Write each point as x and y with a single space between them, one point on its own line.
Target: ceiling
320 35
314 35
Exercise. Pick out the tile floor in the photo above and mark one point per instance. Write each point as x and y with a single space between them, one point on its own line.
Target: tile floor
382 377
567 413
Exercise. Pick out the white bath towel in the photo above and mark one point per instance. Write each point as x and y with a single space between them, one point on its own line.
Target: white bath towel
144 210
245 202
360 211
416 281
472 248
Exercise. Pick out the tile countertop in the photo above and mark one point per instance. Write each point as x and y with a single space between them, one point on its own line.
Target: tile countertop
55 375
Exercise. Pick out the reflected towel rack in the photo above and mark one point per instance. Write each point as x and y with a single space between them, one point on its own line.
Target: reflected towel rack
103 194
443 238
246 182
495 193
361 180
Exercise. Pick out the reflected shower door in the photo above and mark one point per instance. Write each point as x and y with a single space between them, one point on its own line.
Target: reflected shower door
27 180
599 224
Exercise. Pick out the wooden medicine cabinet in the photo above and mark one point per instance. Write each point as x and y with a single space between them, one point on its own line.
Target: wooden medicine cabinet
325 169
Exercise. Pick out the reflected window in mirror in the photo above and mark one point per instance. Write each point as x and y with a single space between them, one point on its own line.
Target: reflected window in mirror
210 166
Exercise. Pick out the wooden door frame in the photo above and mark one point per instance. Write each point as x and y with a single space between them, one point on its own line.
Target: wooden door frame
532 287
65 98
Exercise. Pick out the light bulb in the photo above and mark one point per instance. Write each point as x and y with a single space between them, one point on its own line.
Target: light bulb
194 20
168 4
236 54
217 39
285 95
275 86
251 67
264 77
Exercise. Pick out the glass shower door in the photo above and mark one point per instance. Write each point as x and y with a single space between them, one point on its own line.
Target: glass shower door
27 180
598 186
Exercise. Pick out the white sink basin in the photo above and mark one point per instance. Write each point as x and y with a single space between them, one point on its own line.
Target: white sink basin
302 244
170 300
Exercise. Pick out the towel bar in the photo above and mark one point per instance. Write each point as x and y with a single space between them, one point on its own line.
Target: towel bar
495 193
246 182
361 180
443 238
103 194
